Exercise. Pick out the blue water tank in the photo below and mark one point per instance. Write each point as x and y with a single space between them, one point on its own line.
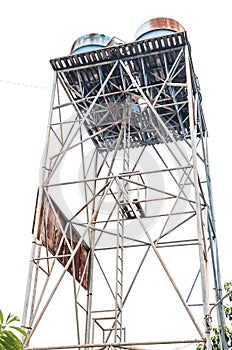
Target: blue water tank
90 42
157 27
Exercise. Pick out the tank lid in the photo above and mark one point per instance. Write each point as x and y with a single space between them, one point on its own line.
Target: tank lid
93 39
157 24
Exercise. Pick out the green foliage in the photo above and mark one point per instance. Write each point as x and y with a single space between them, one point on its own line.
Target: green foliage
200 346
8 339
228 308
216 332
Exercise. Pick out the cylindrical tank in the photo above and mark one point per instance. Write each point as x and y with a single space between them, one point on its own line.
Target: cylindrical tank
158 27
90 42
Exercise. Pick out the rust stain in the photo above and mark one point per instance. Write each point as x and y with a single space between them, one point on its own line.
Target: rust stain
165 23
159 23
50 234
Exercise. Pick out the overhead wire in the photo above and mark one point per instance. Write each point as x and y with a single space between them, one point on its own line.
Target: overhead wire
23 84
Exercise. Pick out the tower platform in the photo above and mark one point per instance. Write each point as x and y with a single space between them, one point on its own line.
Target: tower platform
106 79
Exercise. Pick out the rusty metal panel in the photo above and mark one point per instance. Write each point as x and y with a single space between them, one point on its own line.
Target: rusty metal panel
51 221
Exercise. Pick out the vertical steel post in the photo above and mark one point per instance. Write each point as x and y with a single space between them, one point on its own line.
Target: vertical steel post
215 257
203 259
31 264
90 290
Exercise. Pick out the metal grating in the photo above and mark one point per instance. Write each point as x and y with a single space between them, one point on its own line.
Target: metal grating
120 52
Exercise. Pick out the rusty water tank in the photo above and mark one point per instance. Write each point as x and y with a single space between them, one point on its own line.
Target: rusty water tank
90 42
158 27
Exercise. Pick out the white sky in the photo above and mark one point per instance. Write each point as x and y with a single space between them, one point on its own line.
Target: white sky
34 32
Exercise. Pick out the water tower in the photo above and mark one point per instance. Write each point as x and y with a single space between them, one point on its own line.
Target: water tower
124 252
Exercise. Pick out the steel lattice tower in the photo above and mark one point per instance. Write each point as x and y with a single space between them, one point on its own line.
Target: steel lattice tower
124 214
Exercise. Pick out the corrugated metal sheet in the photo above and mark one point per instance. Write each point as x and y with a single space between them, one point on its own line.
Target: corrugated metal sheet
51 219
